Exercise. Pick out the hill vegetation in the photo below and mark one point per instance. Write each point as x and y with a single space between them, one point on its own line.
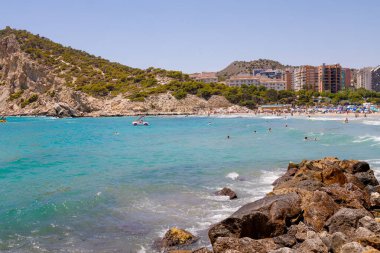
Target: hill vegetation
101 78
238 67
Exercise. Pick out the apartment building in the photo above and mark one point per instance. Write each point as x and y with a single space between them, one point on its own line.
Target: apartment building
329 78
207 77
345 78
306 78
376 79
364 78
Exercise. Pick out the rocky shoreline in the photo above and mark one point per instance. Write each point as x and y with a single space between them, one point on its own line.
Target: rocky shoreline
322 206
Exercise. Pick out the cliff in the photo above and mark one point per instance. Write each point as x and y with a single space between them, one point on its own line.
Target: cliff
41 77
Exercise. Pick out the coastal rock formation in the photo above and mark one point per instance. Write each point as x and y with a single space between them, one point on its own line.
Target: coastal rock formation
326 205
227 192
34 81
176 238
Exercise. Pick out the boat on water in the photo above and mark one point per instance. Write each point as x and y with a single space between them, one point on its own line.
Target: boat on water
140 122
3 120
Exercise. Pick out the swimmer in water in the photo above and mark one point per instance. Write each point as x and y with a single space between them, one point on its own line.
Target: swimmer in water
228 136
305 138
270 129
346 120
254 131
286 125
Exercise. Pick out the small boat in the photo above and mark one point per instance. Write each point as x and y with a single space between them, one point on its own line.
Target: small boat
3 120
140 122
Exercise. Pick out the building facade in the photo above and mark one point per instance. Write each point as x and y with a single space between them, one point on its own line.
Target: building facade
306 78
268 83
329 78
364 78
207 77
376 79
345 78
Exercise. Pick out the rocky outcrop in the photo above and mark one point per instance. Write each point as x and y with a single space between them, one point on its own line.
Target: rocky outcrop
226 192
22 78
174 239
326 205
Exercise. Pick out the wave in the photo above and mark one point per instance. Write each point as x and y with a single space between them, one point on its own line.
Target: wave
371 122
367 138
233 175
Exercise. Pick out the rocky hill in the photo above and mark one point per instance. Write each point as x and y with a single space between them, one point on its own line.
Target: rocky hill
238 67
41 77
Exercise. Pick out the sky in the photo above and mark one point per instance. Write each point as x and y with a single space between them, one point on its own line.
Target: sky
207 35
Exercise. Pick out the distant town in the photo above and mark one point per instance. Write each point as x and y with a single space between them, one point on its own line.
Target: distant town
323 78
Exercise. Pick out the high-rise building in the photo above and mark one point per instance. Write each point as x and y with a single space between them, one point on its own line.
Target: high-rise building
329 78
289 79
376 78
306 78
364 78
345 78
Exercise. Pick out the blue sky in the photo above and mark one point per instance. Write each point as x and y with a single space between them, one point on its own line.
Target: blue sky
207 35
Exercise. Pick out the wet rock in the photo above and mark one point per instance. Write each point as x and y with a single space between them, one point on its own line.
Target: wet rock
243 245
345 220
352 247
367 178
264 218
227 192
176 237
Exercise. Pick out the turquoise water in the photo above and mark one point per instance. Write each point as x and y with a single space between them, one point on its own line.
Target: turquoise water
102 185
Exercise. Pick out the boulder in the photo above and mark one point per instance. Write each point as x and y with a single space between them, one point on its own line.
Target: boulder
362 232
282 250
352 247
267 217
313 244
333 175
243 245
227 192
299 231
176 237
318 209
375 199
367 178
338 239
370 224
373 241
202 250
345 220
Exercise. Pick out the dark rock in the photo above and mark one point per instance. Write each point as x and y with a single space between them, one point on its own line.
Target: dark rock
360 167
367 178
226 192
345 220
267 217
286 240
176 237
243 245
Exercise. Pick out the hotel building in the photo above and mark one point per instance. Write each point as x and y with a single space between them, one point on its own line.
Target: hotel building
329 78
207 77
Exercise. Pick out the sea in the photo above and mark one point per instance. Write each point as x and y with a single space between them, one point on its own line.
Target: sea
103 185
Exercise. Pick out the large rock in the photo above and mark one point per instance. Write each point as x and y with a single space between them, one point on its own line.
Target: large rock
318 209
367 178
352 247
370 224
243 245
264 218
345 220
373 241
313 244
176 237
227 192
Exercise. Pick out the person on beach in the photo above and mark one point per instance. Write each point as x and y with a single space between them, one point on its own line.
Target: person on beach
270 129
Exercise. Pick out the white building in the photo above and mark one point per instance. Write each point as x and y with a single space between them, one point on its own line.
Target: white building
364 78
207 77
275 84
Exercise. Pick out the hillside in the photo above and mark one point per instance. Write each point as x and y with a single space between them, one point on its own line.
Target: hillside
39 76
238 67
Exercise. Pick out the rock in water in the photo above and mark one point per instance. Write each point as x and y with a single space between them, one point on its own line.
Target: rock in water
226 192
176 237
